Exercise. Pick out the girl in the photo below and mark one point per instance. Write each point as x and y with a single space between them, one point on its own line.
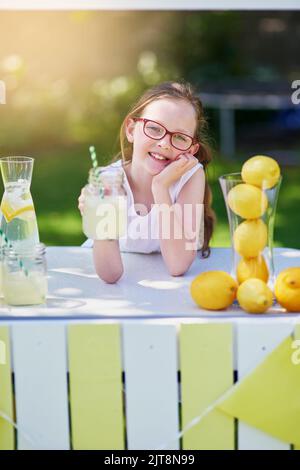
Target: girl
164 158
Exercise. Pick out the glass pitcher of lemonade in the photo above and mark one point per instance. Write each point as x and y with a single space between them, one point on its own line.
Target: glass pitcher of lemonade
105 211
18 219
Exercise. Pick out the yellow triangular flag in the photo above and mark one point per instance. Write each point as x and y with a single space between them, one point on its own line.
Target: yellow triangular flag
269 397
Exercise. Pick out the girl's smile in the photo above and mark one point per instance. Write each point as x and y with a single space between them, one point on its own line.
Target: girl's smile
158 161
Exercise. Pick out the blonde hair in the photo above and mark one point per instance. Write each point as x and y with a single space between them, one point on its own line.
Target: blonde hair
182 91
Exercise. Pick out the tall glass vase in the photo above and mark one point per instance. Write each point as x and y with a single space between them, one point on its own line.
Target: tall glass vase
248 233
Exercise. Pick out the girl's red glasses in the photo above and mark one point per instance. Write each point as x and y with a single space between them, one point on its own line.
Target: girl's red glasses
157 131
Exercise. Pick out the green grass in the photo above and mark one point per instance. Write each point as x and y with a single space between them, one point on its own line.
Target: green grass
59 175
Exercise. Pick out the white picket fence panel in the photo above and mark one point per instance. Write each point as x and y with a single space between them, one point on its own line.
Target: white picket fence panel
40 370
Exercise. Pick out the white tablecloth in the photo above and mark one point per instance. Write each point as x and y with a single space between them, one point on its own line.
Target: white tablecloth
145 291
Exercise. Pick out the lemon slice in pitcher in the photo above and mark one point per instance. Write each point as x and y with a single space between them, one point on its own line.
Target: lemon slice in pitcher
10 210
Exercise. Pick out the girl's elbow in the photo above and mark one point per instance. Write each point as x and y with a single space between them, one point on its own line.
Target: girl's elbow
175 272
180 269
112 277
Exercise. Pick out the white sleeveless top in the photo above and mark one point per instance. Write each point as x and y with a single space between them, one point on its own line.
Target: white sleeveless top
142 231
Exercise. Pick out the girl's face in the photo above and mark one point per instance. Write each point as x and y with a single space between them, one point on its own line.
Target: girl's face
175 115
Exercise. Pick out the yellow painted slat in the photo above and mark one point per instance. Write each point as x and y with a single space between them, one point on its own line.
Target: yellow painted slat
206 360
297 336
6 393
96 386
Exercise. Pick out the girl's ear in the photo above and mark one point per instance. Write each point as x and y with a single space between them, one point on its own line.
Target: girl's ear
195 148
129 129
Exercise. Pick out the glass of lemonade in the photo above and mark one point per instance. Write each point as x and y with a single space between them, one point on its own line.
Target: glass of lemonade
25 276
105 211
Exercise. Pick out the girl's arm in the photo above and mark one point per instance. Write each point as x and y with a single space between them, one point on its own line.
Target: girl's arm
107 260
185 218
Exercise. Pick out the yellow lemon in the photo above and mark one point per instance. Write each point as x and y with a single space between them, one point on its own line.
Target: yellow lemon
247 201
10 212
254 296
250 238
213 290
261 171
287 289
252 268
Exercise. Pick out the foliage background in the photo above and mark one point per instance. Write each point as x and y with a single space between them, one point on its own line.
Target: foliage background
71 76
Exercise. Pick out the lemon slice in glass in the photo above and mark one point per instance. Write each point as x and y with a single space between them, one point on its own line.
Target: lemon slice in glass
10 210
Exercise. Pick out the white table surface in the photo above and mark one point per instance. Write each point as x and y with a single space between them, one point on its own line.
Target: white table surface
146 290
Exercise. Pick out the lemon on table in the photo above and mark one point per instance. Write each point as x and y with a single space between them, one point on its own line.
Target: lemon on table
287 289
261 171
254 296
213 290
250 238
247 201
249 268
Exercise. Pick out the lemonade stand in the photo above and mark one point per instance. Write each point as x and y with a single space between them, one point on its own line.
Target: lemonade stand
142 345
140 365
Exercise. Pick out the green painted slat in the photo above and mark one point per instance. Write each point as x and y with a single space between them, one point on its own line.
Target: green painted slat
206 360
96 386
6 392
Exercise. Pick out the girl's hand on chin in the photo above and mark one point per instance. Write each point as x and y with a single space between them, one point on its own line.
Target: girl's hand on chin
174 170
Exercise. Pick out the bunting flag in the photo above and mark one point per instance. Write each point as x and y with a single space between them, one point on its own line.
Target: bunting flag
269 397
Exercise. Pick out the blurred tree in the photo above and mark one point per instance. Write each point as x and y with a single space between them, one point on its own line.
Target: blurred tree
205 46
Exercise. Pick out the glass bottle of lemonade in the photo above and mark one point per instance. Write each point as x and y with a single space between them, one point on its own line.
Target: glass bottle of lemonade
26 285
105 210
18 219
